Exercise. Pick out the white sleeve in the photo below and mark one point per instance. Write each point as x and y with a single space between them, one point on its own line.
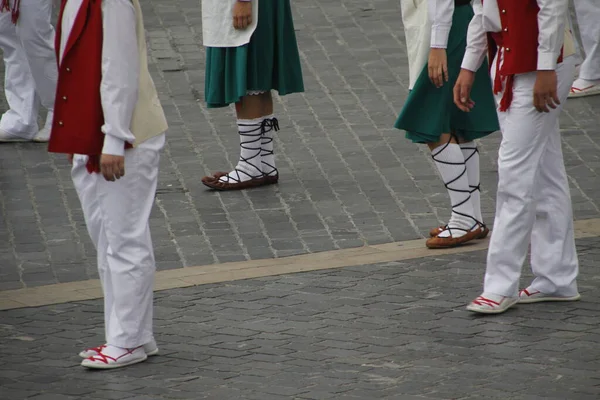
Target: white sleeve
476 40
440 15
120 74
552 18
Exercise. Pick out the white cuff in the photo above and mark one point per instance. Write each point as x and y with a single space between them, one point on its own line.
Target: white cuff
439 37
546 61
113 146
472 62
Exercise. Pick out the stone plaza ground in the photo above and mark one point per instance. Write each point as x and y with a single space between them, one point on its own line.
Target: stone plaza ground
318 288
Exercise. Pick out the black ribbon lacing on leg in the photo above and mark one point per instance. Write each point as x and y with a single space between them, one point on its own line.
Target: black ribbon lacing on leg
255 136
447 185
268 125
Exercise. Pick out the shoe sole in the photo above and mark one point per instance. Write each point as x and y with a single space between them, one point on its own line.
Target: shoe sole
548 299
111 366
490 311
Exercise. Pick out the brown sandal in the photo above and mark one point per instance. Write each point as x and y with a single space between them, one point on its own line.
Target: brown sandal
436 231
449 242
214 182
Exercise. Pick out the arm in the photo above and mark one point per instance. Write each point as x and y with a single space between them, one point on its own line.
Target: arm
476 40
551 22
440 16
120 74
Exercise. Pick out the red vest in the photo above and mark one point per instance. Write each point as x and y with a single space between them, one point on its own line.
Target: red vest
78 115
519 39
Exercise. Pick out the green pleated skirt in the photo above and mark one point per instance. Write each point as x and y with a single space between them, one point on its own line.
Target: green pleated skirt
270 61
429 112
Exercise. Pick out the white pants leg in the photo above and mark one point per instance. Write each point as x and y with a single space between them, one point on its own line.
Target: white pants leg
117 215
36 32
19 87
553 253
529 143
588 18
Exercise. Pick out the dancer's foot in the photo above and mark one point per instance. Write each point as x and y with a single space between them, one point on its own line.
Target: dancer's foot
112 357
489 303
436 231
531 295
453 237
150 348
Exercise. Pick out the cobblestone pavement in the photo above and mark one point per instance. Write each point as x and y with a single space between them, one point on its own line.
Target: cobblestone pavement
387 331
348 178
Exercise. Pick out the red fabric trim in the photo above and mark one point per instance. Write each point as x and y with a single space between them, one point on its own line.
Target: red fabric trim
5 6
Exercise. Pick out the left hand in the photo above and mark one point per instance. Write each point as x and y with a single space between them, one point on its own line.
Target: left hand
545 90
242 14
438 67
112 167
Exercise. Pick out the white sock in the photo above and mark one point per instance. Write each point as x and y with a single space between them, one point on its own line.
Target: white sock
451 165
471 156
249 164
270 126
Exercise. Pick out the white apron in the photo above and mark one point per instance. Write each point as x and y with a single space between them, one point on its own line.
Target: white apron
217 24
417 31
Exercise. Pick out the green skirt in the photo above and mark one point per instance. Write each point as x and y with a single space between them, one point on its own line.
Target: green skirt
429 112
269 61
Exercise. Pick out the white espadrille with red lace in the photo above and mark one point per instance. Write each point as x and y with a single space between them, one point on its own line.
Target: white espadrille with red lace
151 349
112 357
489 303
583 88
530 295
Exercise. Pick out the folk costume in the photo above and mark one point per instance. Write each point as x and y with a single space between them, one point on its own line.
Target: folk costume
27 42
250 62
430 112
588 17
107 104
533 203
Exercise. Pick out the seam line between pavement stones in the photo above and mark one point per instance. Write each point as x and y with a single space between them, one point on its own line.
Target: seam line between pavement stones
194 276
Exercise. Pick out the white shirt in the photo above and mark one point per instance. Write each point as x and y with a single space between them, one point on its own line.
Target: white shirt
440 15
120 68
217 24
552 18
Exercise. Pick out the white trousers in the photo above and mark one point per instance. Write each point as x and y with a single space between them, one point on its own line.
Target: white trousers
533 204
117 217
588 18
30 66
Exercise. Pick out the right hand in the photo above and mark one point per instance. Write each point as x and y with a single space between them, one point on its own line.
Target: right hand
462 90
438 67
242 14
112 167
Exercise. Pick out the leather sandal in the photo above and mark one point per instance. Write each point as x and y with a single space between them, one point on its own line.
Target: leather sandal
451 241
436 231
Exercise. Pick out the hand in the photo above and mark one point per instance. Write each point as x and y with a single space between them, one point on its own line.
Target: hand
70 158
545 91
462 90
112 167
242 14
438 67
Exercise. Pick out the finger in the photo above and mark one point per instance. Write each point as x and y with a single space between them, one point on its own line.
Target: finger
440 76
236 23
431 75
555 98
445 68
248 21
